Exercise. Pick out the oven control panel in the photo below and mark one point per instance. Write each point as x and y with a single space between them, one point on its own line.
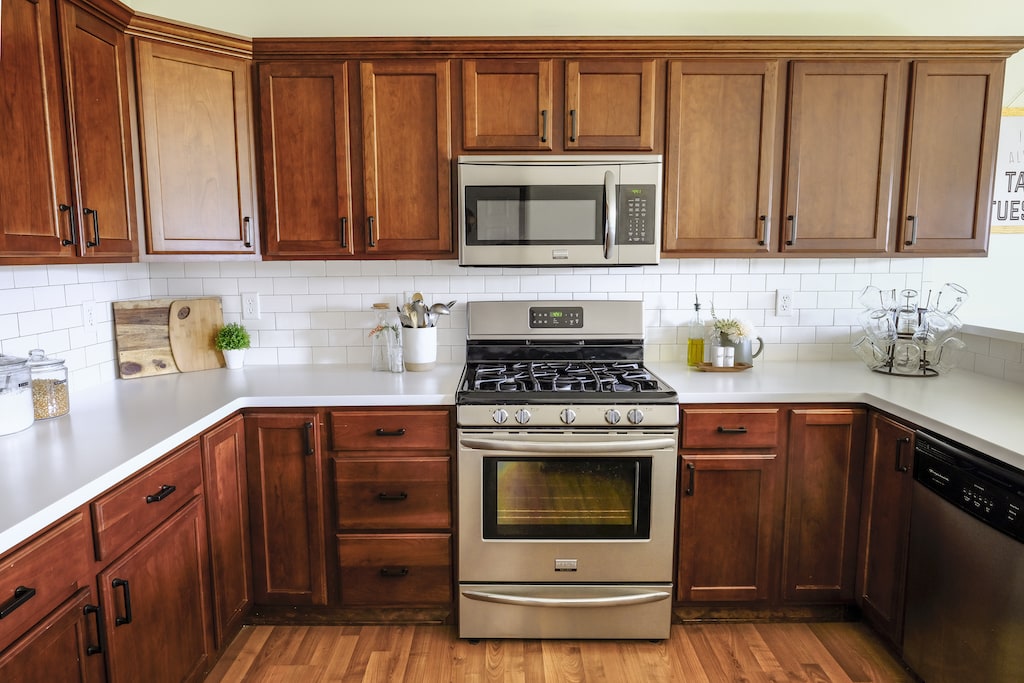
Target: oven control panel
549 317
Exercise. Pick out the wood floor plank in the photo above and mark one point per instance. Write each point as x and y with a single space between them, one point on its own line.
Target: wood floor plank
861 655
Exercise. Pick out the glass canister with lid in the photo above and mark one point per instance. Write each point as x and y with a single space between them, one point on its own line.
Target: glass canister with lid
49 385
15 395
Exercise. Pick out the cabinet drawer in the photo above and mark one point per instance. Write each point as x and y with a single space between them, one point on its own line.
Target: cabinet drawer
405 493
42 574
729 428
390 430
134 508
395 570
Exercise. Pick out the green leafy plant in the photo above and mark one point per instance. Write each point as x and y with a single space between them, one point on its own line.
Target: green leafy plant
232 336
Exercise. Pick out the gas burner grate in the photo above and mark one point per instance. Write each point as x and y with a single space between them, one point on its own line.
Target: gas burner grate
571 376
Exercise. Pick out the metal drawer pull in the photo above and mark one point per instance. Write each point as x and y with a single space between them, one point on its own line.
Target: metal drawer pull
344 232
900 467
247 239
763 230
792 230
309 449
392 496
369 227
732 430
98 648
383 432
95 226
693 479
394 572
543 125
73 242
165 490
127 618
572 129
22 594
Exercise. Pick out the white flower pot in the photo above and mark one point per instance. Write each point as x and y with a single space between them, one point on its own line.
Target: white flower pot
419 345
234 358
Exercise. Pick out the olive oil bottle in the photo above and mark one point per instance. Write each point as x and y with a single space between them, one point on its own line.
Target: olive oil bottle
695 338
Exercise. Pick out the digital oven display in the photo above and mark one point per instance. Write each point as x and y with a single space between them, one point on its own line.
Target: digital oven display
556 318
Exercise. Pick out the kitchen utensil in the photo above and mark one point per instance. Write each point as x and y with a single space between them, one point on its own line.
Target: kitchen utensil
192 326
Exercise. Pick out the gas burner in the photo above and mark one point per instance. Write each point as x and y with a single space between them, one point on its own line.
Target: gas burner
571 376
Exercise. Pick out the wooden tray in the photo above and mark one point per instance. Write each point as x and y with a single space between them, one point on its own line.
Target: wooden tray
708 367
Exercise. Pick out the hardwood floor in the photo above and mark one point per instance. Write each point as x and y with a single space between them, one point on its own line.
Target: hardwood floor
709 653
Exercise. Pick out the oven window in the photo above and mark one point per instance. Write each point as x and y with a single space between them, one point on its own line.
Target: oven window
545 214
581 498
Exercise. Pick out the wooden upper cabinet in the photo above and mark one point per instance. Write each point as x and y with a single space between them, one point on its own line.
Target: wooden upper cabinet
843 140
722 158
953 133
196 141
511 104
67 179
306 159
406 158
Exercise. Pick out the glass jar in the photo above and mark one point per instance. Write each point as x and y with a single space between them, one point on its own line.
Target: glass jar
386 340
49 385
15 394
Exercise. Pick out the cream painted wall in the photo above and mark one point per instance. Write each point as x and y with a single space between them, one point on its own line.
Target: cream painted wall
267 18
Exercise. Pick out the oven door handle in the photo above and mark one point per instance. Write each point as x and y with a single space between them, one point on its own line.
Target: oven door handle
559 447
591 601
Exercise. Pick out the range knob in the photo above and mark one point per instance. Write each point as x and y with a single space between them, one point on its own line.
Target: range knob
568 415
522 416
612 416
500 416
635 416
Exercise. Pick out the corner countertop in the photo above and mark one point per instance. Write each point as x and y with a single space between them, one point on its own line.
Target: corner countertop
117 428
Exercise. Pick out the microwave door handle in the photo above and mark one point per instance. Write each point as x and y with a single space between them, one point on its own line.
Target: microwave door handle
610 215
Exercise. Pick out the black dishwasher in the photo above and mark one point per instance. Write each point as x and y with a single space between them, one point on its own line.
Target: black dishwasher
964 616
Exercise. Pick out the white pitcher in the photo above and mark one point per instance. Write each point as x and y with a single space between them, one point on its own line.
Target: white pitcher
743 349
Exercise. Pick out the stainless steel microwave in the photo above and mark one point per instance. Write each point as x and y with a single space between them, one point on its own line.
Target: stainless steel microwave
580 210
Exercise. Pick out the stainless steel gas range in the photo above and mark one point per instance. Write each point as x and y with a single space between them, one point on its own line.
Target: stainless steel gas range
566 474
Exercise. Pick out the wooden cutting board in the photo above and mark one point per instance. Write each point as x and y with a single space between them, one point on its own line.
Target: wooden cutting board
192 327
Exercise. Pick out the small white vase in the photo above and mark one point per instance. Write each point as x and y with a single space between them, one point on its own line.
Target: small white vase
234 358
419 346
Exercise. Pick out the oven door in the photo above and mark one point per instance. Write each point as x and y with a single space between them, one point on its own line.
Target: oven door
566 506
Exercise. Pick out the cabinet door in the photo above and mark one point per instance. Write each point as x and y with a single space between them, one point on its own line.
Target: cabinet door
407 158
227 508
156 604
885 528
825 461
63 647
610 104
306 160
952 134
34 176
507 104
723 155
96 75
286 509
842 145
196 143
728 511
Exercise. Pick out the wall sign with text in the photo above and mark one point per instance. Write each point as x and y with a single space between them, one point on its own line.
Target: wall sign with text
1008 195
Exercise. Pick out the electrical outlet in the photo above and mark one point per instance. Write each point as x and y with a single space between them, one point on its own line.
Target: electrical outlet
783 302
250 305
89 314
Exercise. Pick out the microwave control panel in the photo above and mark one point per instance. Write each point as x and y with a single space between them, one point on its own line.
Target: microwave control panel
636 215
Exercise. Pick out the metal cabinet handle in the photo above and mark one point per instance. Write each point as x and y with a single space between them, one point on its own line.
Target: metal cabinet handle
67 208
572 125
691 486
127 618
732 430
913 231
763 230
369 223
22 594
247 240
165 490
792 229
98 647
344 232
900 467
543 125
309 438
392 496
383 432
95 226
394 572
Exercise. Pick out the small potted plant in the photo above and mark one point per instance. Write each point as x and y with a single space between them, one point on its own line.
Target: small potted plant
232 340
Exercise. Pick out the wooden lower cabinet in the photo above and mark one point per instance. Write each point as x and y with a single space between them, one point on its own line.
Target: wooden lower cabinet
885 525
285 488
395 570
825 457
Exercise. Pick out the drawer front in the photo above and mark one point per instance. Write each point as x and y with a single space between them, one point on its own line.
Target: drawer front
139 505
406 493
729 428
395 570
42 574
384 431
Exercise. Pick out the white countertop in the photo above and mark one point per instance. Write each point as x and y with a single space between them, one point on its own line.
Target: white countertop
117 428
